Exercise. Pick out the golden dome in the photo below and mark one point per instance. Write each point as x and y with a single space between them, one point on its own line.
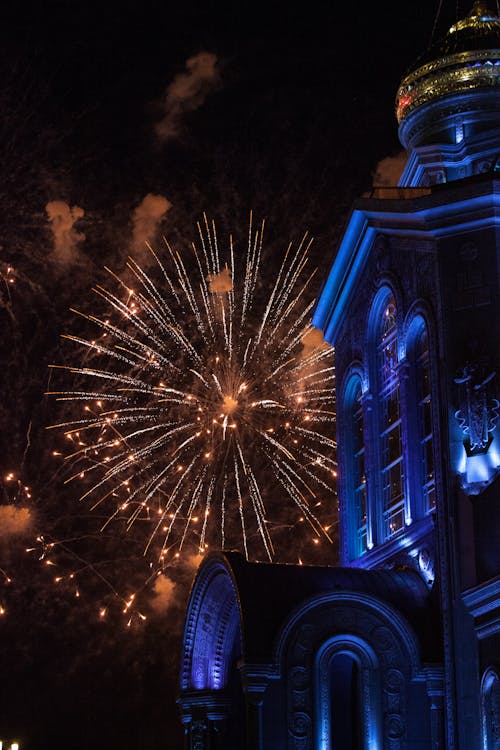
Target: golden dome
467 58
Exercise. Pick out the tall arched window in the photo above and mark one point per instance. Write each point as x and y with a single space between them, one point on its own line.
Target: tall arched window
490 710
391 441
424 442
355 469
346 702
348 695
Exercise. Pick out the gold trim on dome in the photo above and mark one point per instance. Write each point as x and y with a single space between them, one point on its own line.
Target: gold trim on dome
480 18
444 62
452 74
483 23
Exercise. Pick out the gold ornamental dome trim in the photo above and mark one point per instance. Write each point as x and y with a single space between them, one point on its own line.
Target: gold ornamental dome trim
455 60
467 58
464 71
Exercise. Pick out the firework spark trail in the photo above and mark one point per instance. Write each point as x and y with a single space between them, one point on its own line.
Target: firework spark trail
205 406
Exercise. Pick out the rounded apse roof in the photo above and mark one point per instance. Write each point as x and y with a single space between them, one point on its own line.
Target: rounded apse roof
268 594
467 58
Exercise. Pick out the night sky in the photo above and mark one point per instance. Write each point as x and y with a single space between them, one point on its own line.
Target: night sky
294 111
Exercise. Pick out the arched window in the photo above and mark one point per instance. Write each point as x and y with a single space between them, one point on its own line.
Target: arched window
348 693
391 441
490 710
355 465
424 443
346 718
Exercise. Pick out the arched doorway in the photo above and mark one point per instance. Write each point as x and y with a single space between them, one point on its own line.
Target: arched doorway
348 695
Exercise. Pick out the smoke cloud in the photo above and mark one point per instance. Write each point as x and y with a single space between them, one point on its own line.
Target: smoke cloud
187 93
146 219
389 170
14 521
220 283
312 341
66 238
194 560
164 593
168 593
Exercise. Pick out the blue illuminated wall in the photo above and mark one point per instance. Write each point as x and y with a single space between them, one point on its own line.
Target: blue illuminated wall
438 254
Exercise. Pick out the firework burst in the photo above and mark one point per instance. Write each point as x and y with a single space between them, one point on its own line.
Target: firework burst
207 403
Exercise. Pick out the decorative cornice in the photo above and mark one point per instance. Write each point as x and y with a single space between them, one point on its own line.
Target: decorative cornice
446 212
455 106
407 538
483 603
214 705
355 601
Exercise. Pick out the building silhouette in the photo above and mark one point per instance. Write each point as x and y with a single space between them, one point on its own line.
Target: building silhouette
399 647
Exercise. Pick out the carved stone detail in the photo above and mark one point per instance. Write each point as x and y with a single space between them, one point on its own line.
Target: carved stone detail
301 730
299 677
393 681
316 628
426 564
382 639
478 413
394 727
394 706
198 734
419 279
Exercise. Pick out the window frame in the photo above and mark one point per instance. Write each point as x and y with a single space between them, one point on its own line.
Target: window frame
418 436
352 393
369 689
384 385
489 682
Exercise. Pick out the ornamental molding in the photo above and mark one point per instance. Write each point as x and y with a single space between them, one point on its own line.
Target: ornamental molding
448 74
483 603
477 417
376 634
478 414
212 609
458 58
452 104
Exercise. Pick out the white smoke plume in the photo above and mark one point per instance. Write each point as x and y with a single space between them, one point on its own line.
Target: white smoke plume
14 521
187 93
389 170
146 219
220 283
62 219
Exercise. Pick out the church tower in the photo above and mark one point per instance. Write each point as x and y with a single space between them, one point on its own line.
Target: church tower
399 648
448 106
